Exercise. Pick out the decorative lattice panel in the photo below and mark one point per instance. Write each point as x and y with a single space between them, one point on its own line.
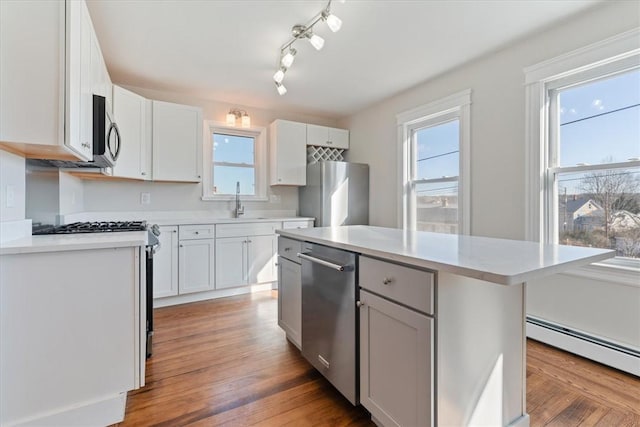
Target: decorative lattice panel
317 154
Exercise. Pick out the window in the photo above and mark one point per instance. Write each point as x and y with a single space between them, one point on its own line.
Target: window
584 148
235 157
435 168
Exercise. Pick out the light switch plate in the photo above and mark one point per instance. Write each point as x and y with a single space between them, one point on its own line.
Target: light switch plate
10 196
145 198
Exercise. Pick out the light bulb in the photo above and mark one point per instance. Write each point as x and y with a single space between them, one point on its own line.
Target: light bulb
279 75
316 41
287 60
231 119
246 121
333 22
281 89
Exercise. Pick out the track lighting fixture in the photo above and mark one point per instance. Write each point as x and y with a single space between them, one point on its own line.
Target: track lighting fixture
234 114
288 53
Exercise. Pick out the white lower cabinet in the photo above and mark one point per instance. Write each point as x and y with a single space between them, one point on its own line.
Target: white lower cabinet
397 342
290 299
396 362
165 263
196 260
245 260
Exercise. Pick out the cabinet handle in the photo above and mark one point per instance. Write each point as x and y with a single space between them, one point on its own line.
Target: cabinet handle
175 231
248 241
197 232
359 304
387 280
276 264
143 173
287 249
198 176
329 142
182 246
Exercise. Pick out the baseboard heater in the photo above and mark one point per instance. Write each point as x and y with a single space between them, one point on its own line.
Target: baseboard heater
606 352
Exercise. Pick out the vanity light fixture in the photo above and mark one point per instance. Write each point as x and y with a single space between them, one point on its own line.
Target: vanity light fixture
235 114
288 53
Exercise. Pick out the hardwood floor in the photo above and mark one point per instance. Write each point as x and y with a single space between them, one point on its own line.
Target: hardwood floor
226 362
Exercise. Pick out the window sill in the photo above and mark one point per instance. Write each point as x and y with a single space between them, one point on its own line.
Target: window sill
619 271
233 198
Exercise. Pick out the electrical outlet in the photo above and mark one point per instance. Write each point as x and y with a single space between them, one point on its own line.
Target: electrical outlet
11 196
275 198
145 198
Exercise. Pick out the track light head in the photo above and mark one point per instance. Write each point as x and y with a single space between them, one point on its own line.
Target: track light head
281 89
287 59
278 77
333 22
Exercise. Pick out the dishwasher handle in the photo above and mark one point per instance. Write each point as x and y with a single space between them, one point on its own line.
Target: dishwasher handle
329 264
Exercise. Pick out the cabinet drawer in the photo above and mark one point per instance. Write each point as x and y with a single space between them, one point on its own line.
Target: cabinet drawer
289 249
191 232
247 229
408 286
297 224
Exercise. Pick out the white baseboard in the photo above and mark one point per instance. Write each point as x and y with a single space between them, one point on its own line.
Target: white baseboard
99 413
600 353
203 296
522 421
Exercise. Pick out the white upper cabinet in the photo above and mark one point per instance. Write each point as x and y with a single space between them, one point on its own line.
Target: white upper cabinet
177 142
288 155
50 66
327 137
132 114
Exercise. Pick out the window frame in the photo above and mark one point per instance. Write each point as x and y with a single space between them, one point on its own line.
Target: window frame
542 81
260 160
453 107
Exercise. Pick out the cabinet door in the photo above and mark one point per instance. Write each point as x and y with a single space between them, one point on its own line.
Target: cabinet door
79 103
317 135
339 138
130 114
231 262
396 363
195 265
31 95
165 264
177 142
290 300
261 258
288 153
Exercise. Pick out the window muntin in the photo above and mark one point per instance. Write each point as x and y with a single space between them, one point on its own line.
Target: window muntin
593 173
233 160
435 171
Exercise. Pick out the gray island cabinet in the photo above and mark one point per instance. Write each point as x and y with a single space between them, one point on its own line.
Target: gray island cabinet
441 321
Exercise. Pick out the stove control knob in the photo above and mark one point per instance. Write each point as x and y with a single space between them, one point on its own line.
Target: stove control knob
155 229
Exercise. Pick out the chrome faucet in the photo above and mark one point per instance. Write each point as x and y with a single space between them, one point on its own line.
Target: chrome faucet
239 208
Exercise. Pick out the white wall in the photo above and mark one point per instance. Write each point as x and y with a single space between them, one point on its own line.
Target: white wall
125 196
498 162
497 121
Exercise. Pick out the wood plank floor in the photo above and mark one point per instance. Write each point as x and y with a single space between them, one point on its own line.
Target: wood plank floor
226 362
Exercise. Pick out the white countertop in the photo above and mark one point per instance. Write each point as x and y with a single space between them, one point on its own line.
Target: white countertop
501 261
196 221
73 242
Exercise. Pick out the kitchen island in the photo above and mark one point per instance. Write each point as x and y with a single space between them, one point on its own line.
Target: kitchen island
441 326
72 327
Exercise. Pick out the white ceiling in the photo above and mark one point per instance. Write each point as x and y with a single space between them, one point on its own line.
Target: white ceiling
228 50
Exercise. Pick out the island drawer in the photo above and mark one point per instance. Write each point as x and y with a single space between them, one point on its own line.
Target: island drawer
408 286
289 249
192 232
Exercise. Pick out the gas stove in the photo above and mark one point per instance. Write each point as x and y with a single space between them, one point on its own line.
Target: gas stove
91 227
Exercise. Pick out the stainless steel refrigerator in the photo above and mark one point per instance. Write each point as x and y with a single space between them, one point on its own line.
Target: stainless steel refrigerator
337 193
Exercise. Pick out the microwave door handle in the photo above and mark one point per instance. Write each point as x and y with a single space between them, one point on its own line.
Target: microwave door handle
113 128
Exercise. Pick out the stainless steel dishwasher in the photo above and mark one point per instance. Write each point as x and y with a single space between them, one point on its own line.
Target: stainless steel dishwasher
329 322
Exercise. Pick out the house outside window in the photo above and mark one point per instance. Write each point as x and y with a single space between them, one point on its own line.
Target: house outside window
235 156
434 144
583 136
